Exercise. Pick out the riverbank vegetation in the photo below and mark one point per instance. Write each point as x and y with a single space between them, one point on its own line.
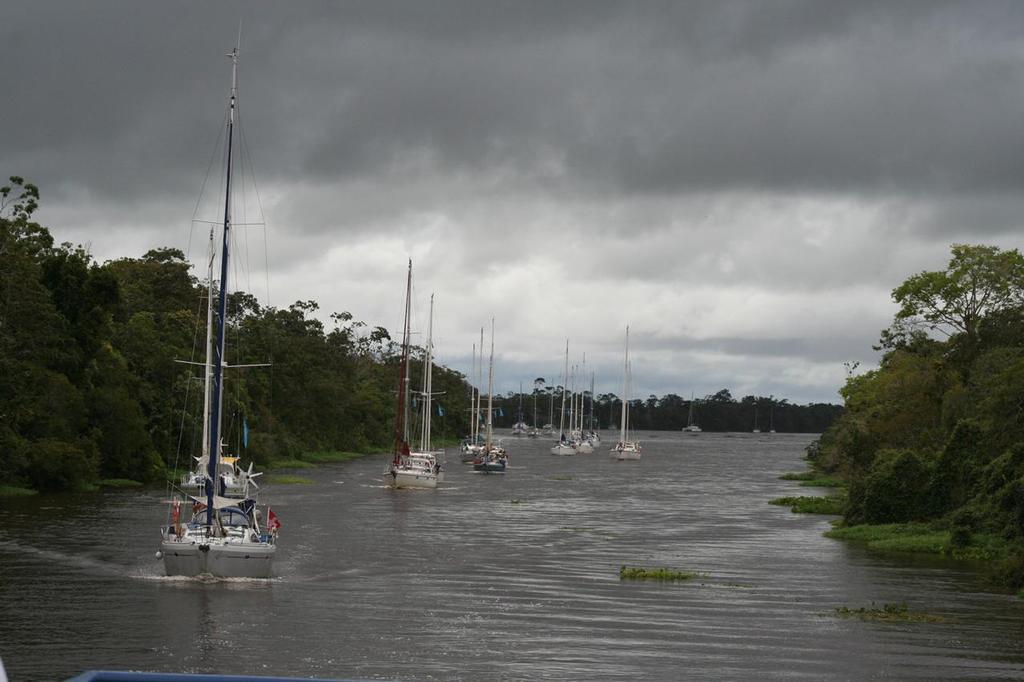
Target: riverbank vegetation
931 444
833 504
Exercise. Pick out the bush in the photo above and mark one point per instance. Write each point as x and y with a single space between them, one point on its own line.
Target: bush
58 465
892 491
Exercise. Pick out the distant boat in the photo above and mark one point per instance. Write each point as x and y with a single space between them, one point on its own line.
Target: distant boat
756 430
520 428
408 469
771 418
626 449
691 424
473 446
494 459
224 537
564 446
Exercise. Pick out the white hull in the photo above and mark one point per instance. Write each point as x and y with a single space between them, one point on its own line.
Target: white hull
219 559
626 454
412 479
585 448
562 449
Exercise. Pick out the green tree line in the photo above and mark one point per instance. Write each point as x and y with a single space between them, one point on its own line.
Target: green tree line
91 386
935 435
716 412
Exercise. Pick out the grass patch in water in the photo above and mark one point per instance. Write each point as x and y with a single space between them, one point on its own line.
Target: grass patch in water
812 479
16 491
890 613
832 504
561 477
288 479
119 483
920 538
659 574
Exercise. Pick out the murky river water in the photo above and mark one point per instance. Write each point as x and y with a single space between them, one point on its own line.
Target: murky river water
503 578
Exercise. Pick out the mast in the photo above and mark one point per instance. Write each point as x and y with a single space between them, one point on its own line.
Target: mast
490 388
218 357
480 383
625 390
204 458
565 384
428 371
472 401
402 406
591 424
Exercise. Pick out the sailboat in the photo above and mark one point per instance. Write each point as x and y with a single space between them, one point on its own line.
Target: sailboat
409 469
494 459
564 445
473 446
223 538
691 424
626 449
520 427
771 417
534 432
756 430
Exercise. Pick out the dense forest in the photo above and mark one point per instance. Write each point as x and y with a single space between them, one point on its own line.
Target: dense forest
717 412
934 438
94 380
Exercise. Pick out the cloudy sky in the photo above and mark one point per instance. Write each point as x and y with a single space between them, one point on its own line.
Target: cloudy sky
743 183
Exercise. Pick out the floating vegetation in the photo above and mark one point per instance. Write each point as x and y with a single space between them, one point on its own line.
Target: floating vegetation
797 476
287 479
832 504
516 500
893 613
660 574
561 477
921 538
811 479
119 483
15 491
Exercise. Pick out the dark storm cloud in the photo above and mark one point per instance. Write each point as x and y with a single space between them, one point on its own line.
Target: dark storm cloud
626 97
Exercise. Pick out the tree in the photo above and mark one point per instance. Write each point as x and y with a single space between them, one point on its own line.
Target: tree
979 280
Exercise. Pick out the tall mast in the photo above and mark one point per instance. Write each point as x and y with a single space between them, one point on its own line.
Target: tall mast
472 400
565 386
204 459
625 390
591 424
480 383
218 356
490 388
428 360
402 406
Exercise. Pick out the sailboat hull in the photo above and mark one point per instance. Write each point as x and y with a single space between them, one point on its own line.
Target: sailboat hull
563 449
221 560
411 479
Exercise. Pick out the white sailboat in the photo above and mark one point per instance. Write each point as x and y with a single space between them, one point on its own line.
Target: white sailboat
409 469
494 459
520 428
473 446
223 538
691 424
626 449
564 446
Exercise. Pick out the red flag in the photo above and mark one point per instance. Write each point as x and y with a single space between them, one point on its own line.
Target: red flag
272 523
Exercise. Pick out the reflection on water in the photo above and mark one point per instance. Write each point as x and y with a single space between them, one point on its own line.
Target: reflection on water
503 577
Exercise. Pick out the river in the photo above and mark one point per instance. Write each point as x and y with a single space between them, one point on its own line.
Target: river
503 577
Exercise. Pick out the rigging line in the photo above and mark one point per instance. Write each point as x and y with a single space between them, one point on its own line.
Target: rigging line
233 223
202 188
248 160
